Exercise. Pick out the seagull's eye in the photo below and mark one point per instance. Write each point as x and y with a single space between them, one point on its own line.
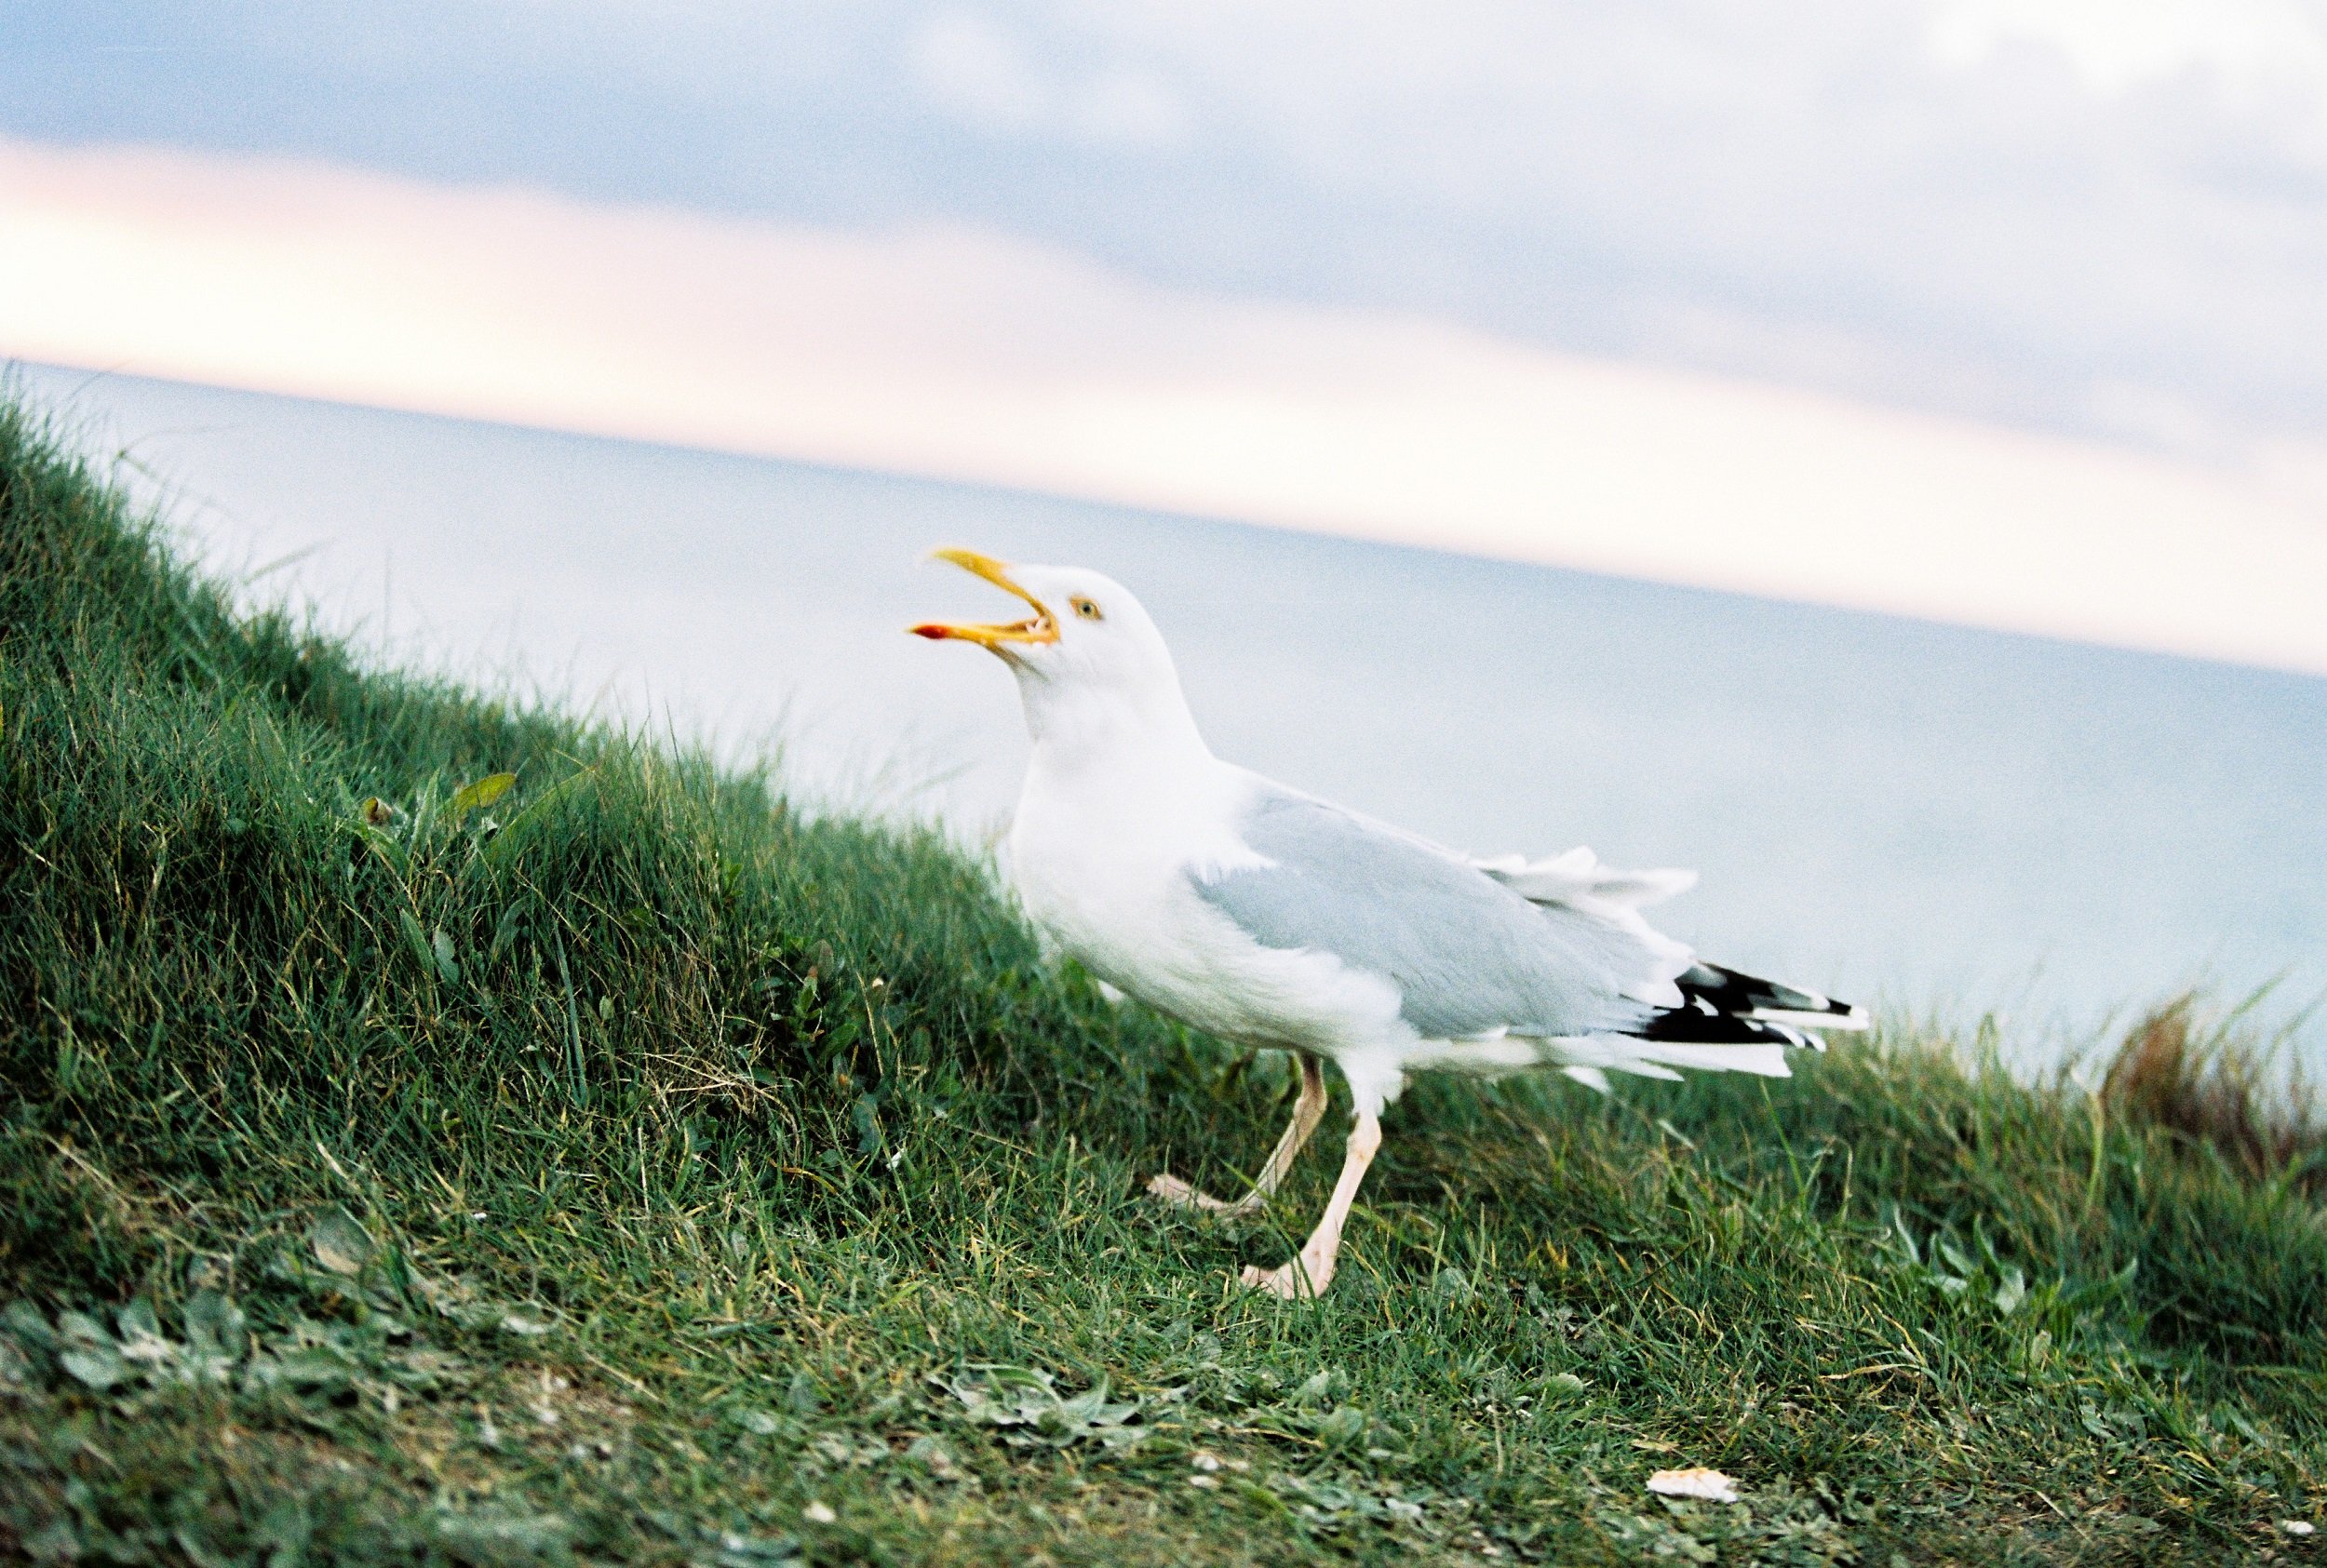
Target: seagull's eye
1085 609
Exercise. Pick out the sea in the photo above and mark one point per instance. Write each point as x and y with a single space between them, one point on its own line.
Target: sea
2029 839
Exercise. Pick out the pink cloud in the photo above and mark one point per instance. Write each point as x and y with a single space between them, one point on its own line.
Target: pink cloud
963 356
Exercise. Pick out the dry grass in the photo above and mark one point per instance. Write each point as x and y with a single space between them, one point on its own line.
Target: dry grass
2211 1089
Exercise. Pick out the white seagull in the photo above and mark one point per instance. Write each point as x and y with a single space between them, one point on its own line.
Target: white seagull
1276 919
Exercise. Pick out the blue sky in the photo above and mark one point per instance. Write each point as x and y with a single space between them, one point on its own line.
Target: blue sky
2104 220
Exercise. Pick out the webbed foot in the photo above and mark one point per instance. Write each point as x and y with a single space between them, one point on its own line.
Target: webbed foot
1292 1282
1179 1194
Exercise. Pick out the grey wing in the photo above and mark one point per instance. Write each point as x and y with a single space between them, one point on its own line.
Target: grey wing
1469 955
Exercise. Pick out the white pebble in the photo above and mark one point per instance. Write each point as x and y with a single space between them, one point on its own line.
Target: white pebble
1711 1485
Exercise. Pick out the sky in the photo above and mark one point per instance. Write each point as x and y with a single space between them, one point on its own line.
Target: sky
2002 313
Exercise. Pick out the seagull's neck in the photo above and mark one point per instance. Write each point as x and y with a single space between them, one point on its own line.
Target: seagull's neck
1080 731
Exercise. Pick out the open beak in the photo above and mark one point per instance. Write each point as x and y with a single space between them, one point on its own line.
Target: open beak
1042 626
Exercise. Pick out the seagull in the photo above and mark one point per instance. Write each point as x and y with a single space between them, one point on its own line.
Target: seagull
1273 919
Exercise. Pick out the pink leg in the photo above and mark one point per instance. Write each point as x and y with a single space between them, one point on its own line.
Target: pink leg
1308 1110
1311 1271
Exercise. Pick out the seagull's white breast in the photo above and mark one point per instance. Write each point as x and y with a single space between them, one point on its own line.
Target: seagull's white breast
1103 863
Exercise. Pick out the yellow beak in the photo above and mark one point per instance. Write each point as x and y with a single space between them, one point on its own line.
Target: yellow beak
1042 626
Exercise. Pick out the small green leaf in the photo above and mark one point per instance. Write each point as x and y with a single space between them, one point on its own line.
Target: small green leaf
338 1242
1027 1401
142 1337
214 1322
416 938
484 791
2012 1292
440 948
513 835
99 1366
81 1329
15 1369
505 931
23 1319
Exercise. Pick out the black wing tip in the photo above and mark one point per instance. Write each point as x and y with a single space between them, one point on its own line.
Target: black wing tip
1724 1007
1687 1026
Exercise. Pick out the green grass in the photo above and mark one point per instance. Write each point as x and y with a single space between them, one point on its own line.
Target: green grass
632 1168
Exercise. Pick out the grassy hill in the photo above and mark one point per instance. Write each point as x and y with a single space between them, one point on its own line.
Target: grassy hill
626 1167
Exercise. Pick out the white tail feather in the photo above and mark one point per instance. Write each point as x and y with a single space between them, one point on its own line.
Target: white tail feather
1602 1054
1854 1020
1763 1061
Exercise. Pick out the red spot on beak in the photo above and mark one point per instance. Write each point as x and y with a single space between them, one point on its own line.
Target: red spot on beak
933 632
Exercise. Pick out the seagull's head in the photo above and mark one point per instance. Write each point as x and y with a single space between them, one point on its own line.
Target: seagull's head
1086 646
